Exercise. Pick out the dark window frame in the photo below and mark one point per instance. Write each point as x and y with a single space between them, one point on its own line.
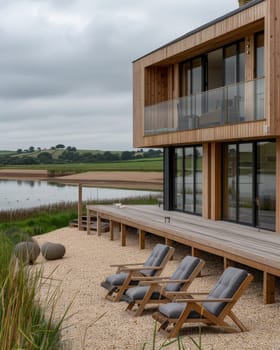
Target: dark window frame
204 75
194 170
255 193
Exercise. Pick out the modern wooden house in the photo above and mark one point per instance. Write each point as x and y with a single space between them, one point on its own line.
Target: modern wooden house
211 100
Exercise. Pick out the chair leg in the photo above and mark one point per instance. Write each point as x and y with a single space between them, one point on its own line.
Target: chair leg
130 306
109 295
180 321
122 289
237 322
164 325
144 301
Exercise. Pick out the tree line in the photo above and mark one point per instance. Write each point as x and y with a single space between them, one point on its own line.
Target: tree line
72 155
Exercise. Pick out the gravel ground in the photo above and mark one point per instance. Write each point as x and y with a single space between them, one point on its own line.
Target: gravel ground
106 325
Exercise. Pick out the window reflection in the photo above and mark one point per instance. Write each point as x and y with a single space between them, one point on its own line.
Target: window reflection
245 184
179 190
266 181
249 184
188 179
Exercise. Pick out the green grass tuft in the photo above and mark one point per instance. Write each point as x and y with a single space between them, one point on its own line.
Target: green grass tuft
23 320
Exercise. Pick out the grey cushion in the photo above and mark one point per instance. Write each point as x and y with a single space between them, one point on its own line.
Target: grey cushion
53 251
155 259
183 271
226 286
138 293
117 279
172 310
28 251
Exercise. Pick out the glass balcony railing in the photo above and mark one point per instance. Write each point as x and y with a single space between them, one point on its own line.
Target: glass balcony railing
230 104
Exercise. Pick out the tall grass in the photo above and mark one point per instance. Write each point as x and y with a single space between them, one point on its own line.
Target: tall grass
26 213
23 321
177 342
20 223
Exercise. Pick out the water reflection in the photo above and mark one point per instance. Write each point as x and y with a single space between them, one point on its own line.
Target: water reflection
15 194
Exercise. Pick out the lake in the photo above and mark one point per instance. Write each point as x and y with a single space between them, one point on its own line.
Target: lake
15 194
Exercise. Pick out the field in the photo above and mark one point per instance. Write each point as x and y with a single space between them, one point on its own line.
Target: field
145 164
54 152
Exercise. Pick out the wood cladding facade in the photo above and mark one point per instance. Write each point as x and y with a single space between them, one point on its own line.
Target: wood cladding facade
156 76
156 80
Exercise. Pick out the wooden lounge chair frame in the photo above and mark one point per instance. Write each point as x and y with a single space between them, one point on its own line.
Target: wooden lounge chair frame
207 318
134 274
157 285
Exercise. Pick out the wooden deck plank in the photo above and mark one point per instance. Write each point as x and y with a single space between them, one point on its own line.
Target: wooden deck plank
253 247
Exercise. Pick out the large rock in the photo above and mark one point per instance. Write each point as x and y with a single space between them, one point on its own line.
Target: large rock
27 251
52 251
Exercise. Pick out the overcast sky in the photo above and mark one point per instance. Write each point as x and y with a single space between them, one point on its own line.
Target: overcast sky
65 65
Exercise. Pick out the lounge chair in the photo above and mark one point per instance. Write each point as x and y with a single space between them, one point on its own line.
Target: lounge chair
159 290
211 310
119 282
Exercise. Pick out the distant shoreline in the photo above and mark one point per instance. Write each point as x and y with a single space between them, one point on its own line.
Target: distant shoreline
117 179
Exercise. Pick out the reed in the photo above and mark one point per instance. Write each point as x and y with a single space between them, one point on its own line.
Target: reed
23 320
26 213
7 216
177 342
22 223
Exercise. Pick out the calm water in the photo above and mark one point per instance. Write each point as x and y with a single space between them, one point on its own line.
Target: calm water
27 194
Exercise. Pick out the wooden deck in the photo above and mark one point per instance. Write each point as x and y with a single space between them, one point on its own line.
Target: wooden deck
250 246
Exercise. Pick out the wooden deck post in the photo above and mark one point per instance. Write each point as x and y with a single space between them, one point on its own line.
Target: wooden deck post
228 262
80 207
88 221
169 242
98 225
112 226
123 235
198 254
142 235
277 207
268 288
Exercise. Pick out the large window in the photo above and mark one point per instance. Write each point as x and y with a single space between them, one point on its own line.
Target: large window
209 73
259 55
249 185
224 66
188 179
259 73
178 179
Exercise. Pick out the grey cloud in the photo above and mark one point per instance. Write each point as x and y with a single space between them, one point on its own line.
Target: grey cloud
72 83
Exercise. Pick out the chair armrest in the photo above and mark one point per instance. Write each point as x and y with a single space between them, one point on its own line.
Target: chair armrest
127 269
150 278
224 300
179 293
121 265
164 281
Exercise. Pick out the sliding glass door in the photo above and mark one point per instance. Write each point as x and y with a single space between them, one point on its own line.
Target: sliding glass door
188 179
266 186
249 184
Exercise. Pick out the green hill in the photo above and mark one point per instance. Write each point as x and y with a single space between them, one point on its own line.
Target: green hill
71 158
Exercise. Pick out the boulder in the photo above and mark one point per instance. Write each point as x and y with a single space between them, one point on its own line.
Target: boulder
53 251
27 251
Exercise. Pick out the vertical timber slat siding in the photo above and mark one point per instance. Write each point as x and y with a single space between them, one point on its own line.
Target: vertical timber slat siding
160 86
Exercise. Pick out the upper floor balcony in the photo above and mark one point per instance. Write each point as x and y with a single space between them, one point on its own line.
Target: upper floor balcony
236 103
